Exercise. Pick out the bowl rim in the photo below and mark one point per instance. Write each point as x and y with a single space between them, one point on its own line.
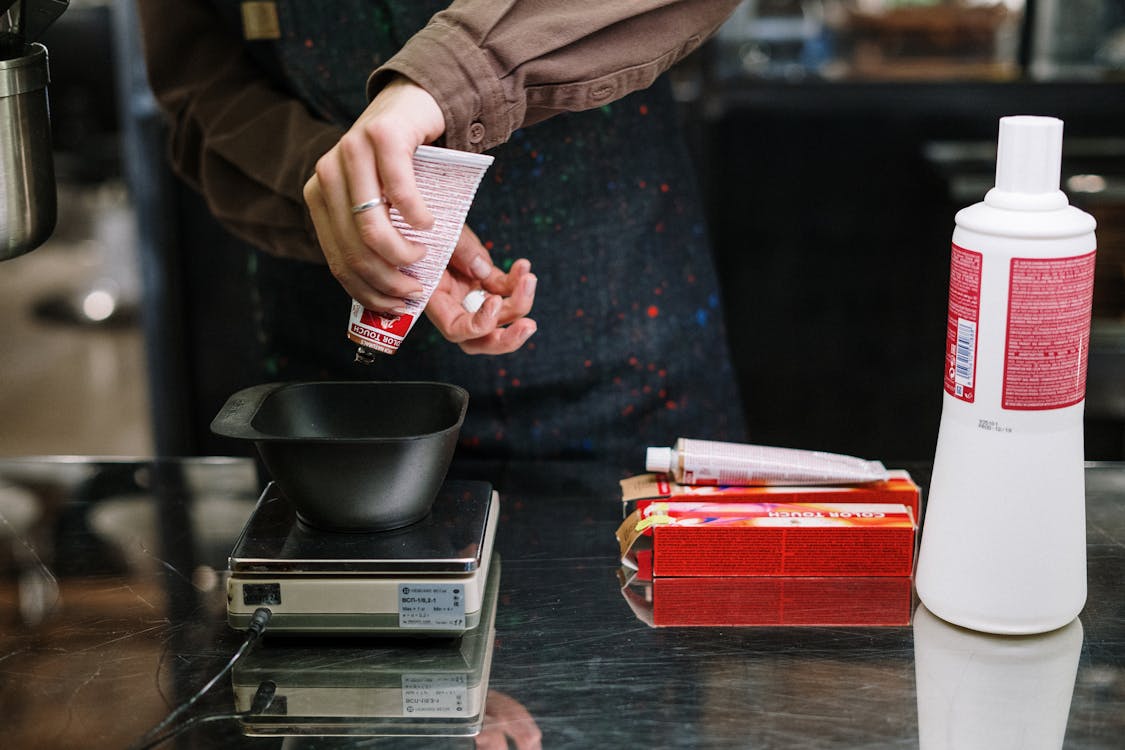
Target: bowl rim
236 418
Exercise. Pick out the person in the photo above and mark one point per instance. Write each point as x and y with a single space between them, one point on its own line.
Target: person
288 115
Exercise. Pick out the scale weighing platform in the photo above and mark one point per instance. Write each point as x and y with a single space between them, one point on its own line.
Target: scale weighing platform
426 579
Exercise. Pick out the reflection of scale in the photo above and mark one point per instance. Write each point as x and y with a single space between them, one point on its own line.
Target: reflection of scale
424 579
392 686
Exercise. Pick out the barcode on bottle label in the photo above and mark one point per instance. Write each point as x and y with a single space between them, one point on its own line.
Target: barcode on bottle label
961 331
966 350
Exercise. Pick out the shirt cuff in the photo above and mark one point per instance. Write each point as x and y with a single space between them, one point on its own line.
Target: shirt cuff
462 78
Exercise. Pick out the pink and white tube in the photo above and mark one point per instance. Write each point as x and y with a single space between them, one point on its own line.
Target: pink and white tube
713 462
448 181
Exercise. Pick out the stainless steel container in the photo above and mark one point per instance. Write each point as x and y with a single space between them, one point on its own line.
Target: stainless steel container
27 171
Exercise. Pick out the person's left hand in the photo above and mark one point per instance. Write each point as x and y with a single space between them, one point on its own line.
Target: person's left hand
501 324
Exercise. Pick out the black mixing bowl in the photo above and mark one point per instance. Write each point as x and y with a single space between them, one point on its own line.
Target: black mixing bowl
351 456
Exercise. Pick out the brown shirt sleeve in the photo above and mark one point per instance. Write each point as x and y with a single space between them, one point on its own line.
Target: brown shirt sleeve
246 146
494 67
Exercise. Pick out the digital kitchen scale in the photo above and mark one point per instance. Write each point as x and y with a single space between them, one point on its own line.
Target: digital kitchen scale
392 687
426 579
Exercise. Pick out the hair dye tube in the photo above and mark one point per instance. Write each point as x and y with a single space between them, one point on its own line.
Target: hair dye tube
448 182
737 464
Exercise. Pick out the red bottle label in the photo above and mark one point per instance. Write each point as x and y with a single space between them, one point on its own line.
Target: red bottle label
1048 337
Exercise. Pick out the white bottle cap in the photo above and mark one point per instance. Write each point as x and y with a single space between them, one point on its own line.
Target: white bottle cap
659 460
1029 154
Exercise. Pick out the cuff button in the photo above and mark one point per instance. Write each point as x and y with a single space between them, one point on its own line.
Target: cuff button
476 132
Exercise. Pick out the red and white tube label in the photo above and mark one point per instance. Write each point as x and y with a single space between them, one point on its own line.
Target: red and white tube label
1048 337
961 328
382 332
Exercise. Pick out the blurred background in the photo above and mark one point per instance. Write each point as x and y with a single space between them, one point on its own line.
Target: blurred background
836 139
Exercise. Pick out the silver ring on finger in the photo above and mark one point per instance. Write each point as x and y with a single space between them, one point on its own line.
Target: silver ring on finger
368 205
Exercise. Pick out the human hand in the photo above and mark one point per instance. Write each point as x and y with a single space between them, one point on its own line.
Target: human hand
501 324
374 160
506 717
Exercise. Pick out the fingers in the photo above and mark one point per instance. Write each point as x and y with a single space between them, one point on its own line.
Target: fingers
501 340
512 294
500 325
368 277
472 260
470 257
400 118
376 164
519 297
493 329
396 173
335 171
373 161
479 333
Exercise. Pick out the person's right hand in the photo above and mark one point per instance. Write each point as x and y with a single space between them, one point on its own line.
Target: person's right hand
372 160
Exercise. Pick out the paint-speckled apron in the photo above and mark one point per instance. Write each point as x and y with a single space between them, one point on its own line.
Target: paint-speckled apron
630 349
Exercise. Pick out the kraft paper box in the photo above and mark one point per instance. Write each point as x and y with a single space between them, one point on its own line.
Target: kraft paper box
670 539
739 601
641 490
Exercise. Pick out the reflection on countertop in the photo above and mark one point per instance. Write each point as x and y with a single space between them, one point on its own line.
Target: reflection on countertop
992 692
113 601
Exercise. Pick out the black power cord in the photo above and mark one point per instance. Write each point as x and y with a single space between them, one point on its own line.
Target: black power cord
264 696
262 700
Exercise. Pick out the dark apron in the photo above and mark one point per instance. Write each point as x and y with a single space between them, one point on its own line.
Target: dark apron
630 349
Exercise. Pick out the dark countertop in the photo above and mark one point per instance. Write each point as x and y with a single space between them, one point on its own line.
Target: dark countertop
112 604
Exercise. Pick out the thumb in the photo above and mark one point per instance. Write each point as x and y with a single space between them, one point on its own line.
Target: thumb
470 257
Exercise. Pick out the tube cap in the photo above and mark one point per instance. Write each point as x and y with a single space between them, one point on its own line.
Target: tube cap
474 300
659 460
1029 154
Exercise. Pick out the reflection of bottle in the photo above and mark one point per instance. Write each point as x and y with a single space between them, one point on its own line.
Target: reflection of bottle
1003 541
993 692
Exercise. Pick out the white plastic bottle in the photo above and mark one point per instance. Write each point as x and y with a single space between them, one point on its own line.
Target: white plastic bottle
1003 540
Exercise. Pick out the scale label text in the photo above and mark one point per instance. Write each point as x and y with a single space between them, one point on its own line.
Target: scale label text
432 695
431 605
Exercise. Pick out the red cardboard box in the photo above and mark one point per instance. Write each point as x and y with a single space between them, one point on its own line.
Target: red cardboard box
763 601
768 539
642 490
